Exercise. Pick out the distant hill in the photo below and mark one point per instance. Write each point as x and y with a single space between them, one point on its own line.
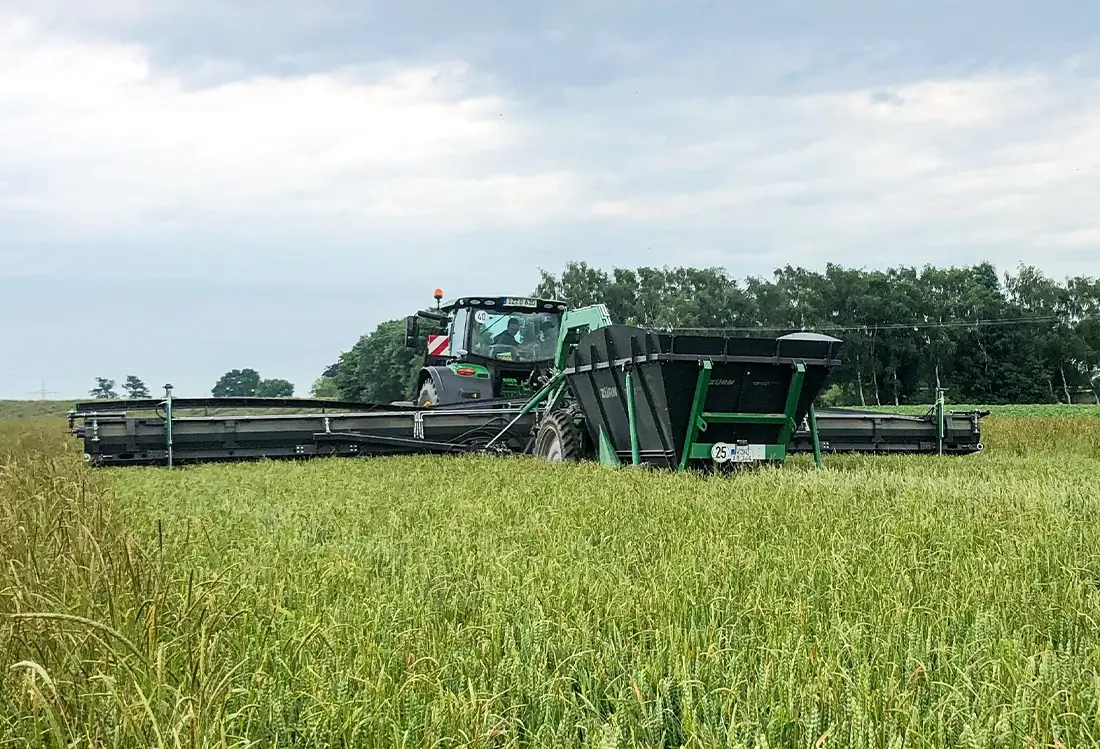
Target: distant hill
34 409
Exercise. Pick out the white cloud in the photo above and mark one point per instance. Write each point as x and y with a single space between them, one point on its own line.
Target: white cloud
99 144
102 143
955 169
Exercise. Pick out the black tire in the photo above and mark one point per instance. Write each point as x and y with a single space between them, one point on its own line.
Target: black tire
558 438
428 396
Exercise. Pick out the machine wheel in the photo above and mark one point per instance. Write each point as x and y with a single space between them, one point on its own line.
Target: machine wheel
558 438
428 396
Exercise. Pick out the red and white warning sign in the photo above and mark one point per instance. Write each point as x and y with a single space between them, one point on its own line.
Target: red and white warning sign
439 345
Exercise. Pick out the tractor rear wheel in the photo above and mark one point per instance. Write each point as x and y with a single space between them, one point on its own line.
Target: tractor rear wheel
558 438
428 396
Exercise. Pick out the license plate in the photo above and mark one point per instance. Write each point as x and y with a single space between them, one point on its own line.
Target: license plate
721 452
513 302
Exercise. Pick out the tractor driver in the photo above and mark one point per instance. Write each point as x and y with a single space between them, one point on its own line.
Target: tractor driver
508 337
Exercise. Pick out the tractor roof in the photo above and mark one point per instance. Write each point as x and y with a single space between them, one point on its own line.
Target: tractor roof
510 303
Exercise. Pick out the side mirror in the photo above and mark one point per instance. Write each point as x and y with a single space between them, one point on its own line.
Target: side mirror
412 330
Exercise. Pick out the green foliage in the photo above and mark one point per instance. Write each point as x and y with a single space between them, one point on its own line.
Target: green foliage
325 387
1042 411
274 388
33 409
1021 339
104 388
244 383
917 602
379 368
135 388
237 383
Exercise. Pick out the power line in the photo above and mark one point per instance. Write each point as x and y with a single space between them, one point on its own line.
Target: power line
42 392
915 325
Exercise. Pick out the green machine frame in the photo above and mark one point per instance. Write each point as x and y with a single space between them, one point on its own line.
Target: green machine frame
581 321
698 420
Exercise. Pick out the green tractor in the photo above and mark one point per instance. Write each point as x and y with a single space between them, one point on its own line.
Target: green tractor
480 348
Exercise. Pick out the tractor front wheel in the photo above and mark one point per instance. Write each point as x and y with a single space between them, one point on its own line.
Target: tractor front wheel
428 396
558 438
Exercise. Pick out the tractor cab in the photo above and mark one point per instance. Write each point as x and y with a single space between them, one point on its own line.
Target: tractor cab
485 347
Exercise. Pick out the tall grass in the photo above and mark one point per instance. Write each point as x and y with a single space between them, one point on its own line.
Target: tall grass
889 602
1010 410
33 409
103 643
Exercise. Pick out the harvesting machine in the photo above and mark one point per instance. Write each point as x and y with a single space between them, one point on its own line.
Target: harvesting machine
508 375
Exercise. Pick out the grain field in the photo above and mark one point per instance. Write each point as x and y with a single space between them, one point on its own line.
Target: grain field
478 602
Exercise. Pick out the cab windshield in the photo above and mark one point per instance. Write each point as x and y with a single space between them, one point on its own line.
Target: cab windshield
512 336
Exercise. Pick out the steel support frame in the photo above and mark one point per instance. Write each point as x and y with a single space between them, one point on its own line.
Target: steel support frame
168 422
605 452
941 427
699 419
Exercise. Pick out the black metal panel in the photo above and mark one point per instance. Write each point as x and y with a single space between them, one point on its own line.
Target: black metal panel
852 431
123 440
152 404
749 375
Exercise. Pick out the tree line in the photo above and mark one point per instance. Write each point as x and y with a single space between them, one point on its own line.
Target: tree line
234 383
105 388
985 337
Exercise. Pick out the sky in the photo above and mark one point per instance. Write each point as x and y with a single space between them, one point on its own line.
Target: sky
192 187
